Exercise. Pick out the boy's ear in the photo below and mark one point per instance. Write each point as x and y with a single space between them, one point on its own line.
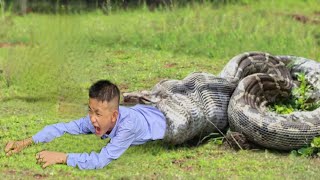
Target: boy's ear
115 115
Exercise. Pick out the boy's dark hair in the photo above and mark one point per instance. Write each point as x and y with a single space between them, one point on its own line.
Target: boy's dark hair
104 90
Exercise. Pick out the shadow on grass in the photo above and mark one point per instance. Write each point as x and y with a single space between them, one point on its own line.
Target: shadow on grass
28 99
159 146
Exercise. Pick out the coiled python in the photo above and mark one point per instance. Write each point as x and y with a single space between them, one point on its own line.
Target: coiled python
238 97
247 111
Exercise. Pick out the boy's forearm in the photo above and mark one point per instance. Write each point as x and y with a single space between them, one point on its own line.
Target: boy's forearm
50 132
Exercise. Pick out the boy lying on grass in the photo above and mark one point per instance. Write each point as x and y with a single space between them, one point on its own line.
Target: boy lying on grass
124 126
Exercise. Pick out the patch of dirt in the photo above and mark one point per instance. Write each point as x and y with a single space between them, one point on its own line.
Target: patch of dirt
181 163
11 172
40 176
311 19
188 168
8 45
305 19
178 161
123 87
119 52
300 18
25 174
28 99
170 65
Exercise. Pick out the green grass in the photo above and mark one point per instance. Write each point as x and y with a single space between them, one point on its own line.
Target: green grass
45 78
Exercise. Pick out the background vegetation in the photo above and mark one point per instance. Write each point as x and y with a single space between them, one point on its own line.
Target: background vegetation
48 61
67 6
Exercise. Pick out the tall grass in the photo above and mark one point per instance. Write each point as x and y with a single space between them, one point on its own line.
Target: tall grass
39 65
203 31
56 48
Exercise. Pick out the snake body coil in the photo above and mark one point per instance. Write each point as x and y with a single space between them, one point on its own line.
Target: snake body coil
248 112
237 98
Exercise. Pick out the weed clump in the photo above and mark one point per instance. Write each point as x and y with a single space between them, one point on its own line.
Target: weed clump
299 100
312 150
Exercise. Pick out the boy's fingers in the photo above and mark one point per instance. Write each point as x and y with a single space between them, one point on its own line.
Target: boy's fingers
38 161
9 146
12 152
38 156
46 165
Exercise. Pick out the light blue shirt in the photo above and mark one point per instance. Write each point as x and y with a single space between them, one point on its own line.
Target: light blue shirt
135 125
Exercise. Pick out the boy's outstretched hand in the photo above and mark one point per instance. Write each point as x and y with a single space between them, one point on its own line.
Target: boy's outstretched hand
17 146
48 158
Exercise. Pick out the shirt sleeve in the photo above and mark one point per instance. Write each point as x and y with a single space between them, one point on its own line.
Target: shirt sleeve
48 133
117 146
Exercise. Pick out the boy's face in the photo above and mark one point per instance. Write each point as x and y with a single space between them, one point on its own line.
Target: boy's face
103 116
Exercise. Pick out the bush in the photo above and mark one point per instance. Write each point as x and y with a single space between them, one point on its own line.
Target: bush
72 6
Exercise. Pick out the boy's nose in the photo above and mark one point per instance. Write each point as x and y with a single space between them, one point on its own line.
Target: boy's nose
93 120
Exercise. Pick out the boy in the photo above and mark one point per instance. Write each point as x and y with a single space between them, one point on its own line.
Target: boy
125 126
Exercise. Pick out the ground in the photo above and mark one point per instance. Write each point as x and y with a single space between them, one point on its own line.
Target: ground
47 63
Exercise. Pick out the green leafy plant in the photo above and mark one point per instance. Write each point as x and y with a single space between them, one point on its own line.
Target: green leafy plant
216 138
312 150
298 100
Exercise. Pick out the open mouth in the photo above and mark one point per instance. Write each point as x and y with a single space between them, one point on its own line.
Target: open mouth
98 130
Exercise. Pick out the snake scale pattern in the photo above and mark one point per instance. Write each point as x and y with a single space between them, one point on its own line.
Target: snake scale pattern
203 103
